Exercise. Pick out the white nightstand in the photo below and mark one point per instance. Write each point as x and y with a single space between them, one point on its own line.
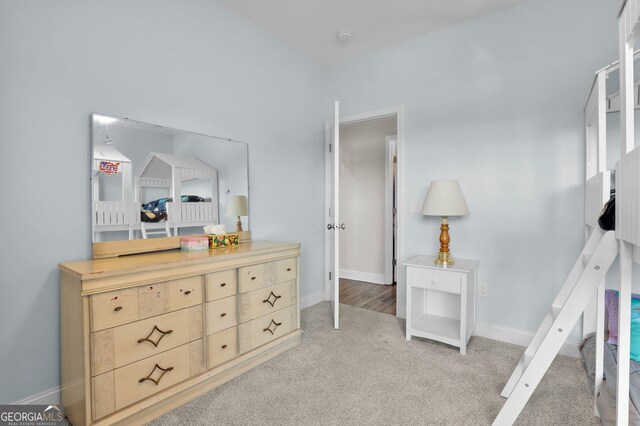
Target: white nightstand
441 302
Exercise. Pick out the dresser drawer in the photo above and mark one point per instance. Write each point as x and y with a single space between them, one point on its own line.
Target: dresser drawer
153 299
125 344
266 328
257 276
185 292
151 375
222 346
268 299
251 277
221 314
449 282
283 270
221 284
114 308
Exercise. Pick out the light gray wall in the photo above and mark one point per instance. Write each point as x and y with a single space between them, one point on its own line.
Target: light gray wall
496 102
189 65
362 195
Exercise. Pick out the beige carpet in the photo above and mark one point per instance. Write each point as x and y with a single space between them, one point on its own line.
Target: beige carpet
367 374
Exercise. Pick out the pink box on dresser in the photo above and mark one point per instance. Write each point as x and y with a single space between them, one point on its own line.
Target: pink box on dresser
194 243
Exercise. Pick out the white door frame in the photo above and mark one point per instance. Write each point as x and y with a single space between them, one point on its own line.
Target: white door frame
398 112
390 153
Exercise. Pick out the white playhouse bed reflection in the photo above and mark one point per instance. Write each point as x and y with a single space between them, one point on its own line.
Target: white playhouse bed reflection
173 174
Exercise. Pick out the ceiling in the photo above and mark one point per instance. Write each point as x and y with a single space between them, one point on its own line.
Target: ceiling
311 26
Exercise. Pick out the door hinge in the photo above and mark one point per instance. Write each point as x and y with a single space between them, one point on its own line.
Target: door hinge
330 212
395 211
395 160
329 275
329 147
395 262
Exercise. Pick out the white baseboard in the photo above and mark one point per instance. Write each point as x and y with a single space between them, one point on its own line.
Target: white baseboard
369 277
51 396
522 338
312 299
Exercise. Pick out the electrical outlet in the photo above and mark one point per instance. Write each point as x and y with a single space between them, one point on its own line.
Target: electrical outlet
484 290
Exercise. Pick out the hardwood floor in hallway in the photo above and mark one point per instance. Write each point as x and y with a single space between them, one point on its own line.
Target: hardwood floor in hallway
376 297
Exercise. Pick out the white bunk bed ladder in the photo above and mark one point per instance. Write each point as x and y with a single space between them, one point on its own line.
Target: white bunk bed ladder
597 193
574 296
148 229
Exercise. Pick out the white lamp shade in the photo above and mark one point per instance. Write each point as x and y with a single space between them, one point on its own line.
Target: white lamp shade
237 206
445 198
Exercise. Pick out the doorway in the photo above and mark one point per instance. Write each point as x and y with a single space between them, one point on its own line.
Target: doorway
361 264
367 205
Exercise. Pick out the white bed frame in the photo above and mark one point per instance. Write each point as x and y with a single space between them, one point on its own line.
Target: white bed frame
583 292
125 215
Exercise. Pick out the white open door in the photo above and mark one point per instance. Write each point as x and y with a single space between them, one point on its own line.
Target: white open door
333 227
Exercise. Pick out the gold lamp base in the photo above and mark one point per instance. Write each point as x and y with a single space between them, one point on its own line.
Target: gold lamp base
444 256
444 259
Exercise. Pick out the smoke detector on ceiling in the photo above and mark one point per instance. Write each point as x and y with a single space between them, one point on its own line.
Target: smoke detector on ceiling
344 36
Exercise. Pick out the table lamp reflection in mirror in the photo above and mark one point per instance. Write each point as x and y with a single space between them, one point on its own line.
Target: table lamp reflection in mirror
237 206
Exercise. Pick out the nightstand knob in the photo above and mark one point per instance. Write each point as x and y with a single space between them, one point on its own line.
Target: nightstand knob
434 281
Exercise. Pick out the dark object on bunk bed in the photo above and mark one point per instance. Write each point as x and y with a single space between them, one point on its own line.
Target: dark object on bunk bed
151 217
606 400
160 205
607 219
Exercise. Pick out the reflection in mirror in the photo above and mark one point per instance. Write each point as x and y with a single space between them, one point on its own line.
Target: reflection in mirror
150 180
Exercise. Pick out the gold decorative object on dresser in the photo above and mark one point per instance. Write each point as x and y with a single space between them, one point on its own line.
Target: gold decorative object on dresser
142 334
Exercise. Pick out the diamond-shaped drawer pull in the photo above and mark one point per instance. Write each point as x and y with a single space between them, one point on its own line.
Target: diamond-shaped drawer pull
157 342
271 299
151 379
272 326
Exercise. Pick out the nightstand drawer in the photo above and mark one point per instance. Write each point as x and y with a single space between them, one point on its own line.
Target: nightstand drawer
448 281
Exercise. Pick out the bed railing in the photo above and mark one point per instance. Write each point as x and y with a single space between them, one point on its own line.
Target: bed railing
192 214
115 214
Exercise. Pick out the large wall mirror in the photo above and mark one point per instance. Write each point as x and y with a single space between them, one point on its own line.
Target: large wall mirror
149 181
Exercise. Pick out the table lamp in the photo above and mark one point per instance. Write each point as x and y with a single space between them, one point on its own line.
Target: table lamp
444 198
237 206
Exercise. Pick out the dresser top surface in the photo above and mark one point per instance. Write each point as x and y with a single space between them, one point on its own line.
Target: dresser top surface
89 269
461 265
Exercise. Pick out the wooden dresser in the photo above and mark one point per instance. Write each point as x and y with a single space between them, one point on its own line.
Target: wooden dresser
142 334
